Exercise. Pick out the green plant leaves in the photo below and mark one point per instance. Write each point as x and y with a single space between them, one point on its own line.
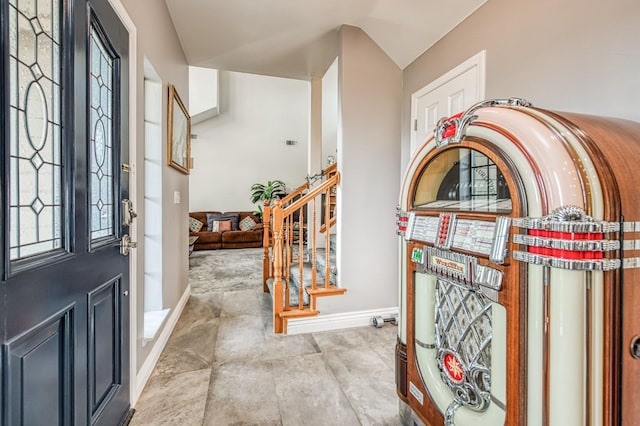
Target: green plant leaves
272 190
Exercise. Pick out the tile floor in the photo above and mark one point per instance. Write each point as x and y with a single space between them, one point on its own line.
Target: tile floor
224 366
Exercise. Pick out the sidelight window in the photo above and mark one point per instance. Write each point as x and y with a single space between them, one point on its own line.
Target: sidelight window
35 128
101 146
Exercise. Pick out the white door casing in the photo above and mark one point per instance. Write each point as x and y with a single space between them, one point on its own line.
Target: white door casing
453 92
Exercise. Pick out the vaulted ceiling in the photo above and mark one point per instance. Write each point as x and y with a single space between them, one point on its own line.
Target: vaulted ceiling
298 38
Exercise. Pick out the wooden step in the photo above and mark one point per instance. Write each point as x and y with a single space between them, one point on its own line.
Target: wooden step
298 313
322 291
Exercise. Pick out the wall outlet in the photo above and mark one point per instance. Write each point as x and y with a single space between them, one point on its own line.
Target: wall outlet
176 197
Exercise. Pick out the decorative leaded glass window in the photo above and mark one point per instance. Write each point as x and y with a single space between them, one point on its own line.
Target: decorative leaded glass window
36 201
101 146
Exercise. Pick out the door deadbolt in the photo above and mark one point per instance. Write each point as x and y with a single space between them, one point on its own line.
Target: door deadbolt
126 245
128 214
635 347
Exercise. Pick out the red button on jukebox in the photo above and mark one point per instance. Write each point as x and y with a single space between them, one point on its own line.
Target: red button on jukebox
453 367
445 226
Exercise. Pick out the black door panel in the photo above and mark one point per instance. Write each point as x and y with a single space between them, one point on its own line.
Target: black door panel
39 364
64 307
104 346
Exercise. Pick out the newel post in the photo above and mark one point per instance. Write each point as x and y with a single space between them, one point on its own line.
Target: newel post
276 296
266 243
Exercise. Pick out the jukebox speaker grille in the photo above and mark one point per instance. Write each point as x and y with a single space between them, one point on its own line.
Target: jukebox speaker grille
463 342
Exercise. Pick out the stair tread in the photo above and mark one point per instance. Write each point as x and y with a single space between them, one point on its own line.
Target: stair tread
294 278
325 291
299 313
321 259
293 292
321 263
307 276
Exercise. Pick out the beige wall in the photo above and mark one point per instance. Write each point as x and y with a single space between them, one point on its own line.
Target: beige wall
571 55
158 42
330 113
370 89
245 144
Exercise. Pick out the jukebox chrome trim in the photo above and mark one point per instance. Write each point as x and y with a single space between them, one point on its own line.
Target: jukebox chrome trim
460 269
571 240
545 224
570 264
631 226
631 245
449 265
573 245
463 331
460 122
631 263
488 277
402 221
500 239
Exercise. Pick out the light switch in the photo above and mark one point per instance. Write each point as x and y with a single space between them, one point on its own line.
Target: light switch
176 197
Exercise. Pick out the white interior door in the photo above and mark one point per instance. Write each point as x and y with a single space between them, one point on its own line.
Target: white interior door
449 94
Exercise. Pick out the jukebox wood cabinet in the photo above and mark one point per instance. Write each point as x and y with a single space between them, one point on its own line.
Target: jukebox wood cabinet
519 280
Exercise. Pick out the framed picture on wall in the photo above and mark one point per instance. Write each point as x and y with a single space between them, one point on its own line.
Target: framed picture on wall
178 133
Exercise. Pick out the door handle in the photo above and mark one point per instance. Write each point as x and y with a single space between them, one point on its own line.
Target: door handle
128 214
126 245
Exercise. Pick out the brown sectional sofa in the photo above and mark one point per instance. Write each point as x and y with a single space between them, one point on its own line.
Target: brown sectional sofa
208 240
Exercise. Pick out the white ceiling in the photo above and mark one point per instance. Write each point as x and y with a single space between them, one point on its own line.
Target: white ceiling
298 38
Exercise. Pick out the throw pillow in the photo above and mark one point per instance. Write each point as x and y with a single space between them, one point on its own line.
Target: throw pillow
247 223
195 225
211 217
222 225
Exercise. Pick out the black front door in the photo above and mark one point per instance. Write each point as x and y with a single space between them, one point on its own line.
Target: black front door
64 310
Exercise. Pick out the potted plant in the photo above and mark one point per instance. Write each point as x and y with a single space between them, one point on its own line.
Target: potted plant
272 190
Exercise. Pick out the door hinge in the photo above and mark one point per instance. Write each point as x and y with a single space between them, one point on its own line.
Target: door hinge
415 124
126 168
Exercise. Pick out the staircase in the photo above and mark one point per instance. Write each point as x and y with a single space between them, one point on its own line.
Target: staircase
295 271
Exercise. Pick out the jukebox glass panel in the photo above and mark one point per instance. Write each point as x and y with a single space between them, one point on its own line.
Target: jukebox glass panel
462 179
463 342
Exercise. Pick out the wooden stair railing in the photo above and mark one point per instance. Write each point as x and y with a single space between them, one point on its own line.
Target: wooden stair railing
331 206
266 239
267 261
285 233
323 228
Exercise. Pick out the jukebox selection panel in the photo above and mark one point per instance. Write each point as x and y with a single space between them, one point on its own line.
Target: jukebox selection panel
448 234
447 231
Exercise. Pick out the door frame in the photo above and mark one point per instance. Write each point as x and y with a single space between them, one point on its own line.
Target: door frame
133 194
476 61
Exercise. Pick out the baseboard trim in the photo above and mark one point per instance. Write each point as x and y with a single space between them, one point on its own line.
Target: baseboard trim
152 359
337 321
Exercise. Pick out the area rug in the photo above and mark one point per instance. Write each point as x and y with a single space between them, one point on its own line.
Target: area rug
225 270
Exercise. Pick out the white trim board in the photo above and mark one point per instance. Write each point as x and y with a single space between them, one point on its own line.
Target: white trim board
337 321
126 20
147 368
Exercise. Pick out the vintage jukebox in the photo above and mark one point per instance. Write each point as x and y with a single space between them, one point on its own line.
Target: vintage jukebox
519 288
